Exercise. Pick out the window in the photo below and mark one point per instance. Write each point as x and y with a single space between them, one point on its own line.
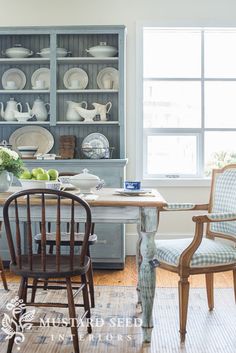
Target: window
188 101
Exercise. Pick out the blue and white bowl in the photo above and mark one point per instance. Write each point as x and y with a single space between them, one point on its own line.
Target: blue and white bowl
132 185
27 151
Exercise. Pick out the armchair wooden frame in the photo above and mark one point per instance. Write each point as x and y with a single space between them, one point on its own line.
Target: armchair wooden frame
184 269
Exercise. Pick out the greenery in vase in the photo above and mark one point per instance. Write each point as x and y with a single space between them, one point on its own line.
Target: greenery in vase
10 161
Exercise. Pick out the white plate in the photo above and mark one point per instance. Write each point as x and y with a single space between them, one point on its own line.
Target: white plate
15 75
98 141
108 73
134 192
75 74
32 135
42 74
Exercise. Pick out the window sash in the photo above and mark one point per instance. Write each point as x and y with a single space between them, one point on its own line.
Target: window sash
198 132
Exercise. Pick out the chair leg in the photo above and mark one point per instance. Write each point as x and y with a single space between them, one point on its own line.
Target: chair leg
183 306
86 303
90 281
45 286
33 293
234 277
210 290
72 313
4 280
21 294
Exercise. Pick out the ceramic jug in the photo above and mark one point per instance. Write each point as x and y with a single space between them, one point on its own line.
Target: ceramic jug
11 107
39 109
71 113
102 109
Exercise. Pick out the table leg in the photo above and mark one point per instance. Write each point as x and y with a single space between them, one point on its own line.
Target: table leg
147 275
138 262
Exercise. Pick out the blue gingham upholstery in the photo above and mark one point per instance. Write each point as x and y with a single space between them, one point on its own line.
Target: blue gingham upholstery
221 216
179 206
224 201
210 252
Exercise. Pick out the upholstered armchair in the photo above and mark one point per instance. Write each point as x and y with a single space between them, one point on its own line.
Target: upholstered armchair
204 253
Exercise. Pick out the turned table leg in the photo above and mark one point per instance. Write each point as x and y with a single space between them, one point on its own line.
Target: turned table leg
146 274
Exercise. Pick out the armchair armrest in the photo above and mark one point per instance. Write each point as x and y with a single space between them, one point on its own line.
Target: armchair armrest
184 207
215 217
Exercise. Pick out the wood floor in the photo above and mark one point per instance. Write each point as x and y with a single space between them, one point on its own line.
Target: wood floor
128 277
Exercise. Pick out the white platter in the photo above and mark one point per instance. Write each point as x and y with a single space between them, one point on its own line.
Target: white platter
108 73
15 75
75 74
42 74
32 135
127 192
97 141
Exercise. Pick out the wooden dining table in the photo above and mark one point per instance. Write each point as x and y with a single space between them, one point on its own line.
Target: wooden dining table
110 207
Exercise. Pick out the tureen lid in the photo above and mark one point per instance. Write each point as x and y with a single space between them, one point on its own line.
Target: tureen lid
85 175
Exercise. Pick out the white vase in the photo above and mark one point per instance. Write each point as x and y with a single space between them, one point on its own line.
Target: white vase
5 180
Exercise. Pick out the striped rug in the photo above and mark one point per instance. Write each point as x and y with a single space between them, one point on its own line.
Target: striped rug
117 325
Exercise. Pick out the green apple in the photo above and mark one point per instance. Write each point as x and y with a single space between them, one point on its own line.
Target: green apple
37 171
26 174
43 176
53 173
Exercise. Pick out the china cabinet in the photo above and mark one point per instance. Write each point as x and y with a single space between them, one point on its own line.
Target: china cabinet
58 68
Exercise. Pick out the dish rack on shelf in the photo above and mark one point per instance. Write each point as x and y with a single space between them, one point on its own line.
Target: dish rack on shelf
97 152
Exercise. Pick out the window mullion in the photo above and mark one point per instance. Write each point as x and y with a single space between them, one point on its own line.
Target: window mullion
202 142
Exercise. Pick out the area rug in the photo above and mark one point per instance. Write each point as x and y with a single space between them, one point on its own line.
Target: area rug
116 324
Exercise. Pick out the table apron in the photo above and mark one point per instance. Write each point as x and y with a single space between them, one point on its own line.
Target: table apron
125 215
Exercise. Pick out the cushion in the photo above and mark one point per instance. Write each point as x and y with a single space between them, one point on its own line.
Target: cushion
209 253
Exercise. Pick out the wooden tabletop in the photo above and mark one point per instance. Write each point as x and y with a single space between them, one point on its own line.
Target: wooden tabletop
107 197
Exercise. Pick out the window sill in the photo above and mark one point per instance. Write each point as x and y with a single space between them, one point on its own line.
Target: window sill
178 182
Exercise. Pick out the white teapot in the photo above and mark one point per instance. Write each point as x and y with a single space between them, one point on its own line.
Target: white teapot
39 109
71 113
102 109
11 107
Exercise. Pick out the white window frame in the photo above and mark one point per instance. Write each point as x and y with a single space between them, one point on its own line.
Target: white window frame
163 180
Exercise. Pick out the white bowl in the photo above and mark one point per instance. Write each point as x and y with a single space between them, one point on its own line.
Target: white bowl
21 116
46 52
18 52
33 184
27 151
102 50
29 148
22 119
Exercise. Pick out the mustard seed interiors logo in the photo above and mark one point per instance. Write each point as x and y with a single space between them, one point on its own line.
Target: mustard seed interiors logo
9 322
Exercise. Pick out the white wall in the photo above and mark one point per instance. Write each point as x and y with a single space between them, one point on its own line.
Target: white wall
128 12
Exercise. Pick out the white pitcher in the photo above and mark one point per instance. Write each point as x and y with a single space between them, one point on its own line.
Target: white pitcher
102 109
11 107
71 113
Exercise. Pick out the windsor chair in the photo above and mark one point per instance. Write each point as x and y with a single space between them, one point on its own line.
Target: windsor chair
27 263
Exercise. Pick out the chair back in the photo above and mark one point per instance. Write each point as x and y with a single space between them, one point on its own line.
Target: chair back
223 200
33 205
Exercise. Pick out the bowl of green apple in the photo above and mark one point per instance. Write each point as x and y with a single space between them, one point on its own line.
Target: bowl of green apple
38 178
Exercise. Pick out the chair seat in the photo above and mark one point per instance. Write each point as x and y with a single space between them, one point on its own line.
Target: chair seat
209 253
51 272
65 238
